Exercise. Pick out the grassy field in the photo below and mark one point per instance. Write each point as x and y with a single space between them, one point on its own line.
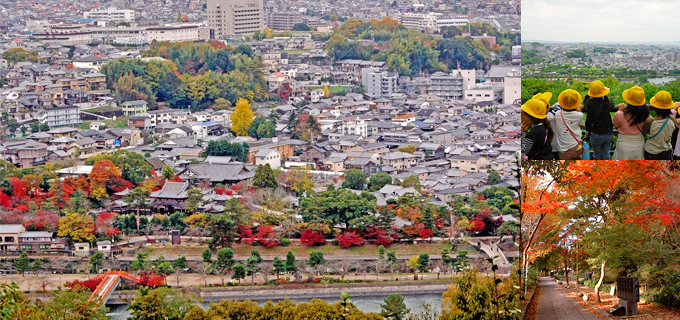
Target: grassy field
120 122
333 89
102 109
303 251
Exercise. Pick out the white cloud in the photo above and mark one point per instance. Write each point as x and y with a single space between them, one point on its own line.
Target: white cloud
601 20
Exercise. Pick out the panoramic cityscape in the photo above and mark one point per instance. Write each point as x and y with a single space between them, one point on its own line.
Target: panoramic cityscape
599 82
261 159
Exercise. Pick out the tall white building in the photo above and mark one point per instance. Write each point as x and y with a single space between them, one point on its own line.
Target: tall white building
235 17
512 87
111 14
378 83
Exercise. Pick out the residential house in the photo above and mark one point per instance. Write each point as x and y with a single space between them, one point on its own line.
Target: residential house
133 108
268 156
400 160
474 163
9 237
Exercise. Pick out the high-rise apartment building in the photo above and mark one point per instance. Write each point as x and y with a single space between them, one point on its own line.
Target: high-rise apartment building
235 17
379 83
283 21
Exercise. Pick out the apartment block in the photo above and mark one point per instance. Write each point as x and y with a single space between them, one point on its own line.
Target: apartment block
235 17
379 83
283 21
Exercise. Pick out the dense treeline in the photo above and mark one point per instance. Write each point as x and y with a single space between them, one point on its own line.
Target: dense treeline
532 86
193 74
409 51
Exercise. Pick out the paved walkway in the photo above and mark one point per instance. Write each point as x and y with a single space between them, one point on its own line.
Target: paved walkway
556 304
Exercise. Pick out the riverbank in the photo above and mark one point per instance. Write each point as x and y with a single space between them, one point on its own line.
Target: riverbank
292 291
323 291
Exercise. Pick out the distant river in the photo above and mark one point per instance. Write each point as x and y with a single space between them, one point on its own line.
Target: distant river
657 81
366 304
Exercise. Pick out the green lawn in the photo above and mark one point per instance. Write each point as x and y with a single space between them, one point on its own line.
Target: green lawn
333 89
101 109
120 122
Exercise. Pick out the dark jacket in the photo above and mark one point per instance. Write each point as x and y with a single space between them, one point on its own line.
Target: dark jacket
541 148
599 119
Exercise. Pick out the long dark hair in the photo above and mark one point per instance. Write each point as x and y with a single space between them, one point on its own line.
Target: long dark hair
664 113
546 123
636 114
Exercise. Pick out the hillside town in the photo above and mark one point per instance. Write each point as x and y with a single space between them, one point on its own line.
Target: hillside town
173 144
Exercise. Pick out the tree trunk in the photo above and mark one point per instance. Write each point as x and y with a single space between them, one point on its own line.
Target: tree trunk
599 283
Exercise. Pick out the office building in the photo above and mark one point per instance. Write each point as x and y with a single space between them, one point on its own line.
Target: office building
230 18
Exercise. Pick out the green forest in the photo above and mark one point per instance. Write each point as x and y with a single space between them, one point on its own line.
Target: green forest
532 86
193 74
410 51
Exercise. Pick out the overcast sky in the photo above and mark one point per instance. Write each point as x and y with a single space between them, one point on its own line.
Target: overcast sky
601 20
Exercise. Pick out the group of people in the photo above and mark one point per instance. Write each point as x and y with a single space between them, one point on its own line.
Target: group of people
645 131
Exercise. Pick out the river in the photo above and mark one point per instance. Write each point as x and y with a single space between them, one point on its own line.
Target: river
366 304
656 81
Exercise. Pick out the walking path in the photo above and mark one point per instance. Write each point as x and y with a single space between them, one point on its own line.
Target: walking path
556 304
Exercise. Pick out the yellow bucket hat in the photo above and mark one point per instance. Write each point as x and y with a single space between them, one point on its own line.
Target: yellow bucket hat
634 96
535 108
569 99
545 97
597 89
662 100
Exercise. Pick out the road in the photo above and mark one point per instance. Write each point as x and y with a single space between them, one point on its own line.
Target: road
556 304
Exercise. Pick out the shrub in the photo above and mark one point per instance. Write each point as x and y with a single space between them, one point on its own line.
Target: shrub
669 294
310 237
284 242
349 238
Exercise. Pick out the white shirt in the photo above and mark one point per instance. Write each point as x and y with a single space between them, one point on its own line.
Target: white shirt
573 119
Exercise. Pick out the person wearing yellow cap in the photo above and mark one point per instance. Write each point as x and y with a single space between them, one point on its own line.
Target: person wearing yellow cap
659 130
630 122
536 131
599 126
568 123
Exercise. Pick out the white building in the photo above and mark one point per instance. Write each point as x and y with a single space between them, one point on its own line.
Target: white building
421 21
172 33
451 22
268 156
512 89
60 116
235 17
516 52
354 126
378 83
111 14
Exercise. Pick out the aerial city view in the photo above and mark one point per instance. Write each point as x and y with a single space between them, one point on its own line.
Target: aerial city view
601 238
250 159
